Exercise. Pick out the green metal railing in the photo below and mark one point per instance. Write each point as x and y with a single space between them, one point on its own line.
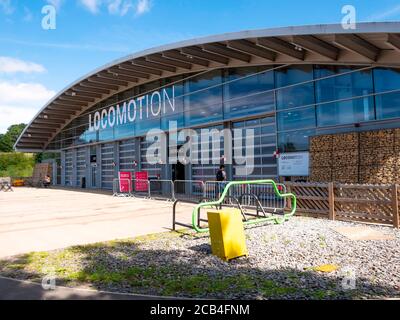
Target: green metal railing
273 218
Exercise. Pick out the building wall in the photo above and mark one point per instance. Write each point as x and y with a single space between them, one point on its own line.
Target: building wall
371 157
285 105
306 100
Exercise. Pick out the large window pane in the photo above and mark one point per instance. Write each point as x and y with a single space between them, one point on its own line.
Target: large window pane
356 84
322 71
296 119
203 115
205 105
386 79
245 92
203 98
125 130
346 112
106 134
295 140
388 105
178 118
297 96
142 127
293 75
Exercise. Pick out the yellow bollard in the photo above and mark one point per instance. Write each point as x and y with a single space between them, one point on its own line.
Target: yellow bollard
228 240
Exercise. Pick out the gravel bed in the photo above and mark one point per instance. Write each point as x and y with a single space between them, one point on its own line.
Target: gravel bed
280 265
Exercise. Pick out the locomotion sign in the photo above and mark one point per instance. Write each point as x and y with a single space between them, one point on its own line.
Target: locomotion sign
143 107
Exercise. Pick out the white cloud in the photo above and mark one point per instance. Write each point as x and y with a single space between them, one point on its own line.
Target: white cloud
392 12
114 6
6 6
143 6
91 5
118 7
12 65
56 3
19 102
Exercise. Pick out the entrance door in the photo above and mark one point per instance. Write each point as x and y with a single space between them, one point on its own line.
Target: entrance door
178 173
93 175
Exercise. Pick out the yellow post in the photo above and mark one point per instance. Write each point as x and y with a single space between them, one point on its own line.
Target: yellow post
228 240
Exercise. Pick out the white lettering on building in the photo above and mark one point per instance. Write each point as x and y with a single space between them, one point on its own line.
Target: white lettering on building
143 107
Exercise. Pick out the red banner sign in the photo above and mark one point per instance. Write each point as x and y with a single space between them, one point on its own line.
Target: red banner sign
141 179
125 182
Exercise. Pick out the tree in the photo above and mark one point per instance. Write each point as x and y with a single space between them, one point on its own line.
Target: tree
8 139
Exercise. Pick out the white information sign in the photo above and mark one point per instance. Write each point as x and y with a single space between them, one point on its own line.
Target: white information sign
294 164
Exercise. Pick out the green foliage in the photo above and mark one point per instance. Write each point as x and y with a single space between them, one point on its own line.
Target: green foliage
16 164
8 139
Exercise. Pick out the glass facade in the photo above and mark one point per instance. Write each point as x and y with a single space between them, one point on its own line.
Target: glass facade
301 99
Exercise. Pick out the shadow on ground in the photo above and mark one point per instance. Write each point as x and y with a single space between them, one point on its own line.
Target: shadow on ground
132 266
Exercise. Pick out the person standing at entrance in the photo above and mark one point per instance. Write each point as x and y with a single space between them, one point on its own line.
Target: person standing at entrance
221 174
221 180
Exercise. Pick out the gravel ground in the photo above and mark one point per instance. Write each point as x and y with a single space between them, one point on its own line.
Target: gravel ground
280 264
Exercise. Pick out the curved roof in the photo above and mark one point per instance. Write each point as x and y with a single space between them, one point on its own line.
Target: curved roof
368 44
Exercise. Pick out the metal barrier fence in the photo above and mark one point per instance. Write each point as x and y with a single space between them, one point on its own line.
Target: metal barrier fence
251 196
131 188
122 188
189 190
162 190
141 188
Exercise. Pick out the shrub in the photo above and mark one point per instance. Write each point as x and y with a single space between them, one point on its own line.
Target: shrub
16 164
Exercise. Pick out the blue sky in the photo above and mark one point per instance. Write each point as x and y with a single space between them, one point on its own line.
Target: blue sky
37 63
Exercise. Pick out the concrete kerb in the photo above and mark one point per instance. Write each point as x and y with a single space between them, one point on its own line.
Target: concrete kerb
34 286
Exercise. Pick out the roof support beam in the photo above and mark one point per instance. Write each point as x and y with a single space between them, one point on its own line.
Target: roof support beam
112 75
130 66
143 62
36 140
251 48
30 145
53 117
74 93
62 107
358 45
223 50
60 113
199 53
129 73
117 83
50 121
109 78
95 84
176 55
318 46
82 88
169 62
45 126
68 104
34 131
37 135
78 99
281 46
393 40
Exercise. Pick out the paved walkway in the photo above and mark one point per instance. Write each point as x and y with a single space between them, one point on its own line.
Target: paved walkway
23 290
46 219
